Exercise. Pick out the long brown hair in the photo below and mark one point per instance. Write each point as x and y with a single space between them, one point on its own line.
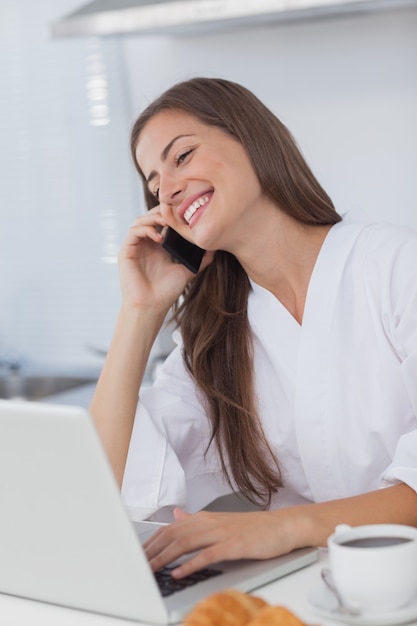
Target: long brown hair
219 353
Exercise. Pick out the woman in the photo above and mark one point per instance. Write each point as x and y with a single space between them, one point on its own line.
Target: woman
294 381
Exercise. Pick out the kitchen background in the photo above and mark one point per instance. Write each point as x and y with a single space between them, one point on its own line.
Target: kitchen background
345 86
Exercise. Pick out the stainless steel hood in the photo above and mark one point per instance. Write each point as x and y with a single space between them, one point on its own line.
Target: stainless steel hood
176 17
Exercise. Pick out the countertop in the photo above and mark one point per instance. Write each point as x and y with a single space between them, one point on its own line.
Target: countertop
291 591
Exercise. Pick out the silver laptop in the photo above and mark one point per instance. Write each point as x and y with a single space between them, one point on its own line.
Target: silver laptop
65 536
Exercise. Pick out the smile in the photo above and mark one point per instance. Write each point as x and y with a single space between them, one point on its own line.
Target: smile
194 206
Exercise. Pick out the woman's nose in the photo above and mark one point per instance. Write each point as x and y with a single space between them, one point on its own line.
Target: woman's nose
170 187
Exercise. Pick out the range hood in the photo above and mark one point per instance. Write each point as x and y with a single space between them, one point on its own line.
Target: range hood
176 17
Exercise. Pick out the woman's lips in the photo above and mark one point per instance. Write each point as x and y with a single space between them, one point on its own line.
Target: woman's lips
194 206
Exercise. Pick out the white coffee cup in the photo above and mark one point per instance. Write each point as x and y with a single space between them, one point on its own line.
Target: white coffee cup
374 567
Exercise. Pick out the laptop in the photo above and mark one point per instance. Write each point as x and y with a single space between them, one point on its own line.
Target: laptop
65 535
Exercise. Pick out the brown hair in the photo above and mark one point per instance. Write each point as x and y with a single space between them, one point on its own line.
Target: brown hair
219 353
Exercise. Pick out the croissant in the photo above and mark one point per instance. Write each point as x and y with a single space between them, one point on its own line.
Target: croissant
233 608
226 608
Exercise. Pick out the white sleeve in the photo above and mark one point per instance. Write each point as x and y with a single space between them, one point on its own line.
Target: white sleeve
404 464
167 464
150 461
404 321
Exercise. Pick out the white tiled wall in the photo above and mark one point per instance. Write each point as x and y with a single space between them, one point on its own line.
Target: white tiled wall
67 187
347 89
345 86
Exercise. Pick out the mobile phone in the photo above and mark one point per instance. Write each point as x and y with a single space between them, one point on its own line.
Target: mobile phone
182 250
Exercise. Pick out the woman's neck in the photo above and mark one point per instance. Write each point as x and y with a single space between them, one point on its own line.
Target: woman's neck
282 259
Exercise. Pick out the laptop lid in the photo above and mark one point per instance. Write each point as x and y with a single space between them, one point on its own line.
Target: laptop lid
65 536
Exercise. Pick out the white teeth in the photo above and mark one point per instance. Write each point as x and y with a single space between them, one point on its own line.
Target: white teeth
194 206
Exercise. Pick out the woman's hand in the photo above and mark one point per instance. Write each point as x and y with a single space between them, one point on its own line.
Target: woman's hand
219 537
150 283
266 534
149 277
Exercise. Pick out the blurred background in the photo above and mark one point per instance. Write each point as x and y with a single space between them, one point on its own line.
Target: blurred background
345 85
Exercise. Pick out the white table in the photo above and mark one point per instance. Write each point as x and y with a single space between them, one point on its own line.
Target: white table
290 591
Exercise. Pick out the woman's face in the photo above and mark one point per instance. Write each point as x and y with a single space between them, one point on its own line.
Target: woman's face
203 179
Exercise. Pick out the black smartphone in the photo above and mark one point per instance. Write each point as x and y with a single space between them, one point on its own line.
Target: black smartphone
182 250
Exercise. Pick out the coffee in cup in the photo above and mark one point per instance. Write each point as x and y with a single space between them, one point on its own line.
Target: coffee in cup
374 567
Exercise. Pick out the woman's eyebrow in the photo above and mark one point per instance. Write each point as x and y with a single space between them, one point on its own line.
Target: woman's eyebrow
165 153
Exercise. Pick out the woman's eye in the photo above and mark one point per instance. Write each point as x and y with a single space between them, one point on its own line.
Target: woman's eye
181 157
155 193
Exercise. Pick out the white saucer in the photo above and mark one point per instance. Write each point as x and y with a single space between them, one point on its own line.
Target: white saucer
324 603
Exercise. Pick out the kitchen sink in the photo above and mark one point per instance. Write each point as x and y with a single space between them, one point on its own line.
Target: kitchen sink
35 387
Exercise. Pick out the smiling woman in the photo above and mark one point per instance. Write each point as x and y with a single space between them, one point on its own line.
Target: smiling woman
269 393
212 160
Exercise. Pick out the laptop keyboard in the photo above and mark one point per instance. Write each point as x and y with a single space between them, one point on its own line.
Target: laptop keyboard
169 585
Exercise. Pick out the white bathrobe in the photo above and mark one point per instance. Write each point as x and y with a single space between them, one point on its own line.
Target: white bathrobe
337 396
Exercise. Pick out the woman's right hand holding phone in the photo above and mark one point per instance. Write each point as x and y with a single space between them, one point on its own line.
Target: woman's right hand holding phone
149 277
150 284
